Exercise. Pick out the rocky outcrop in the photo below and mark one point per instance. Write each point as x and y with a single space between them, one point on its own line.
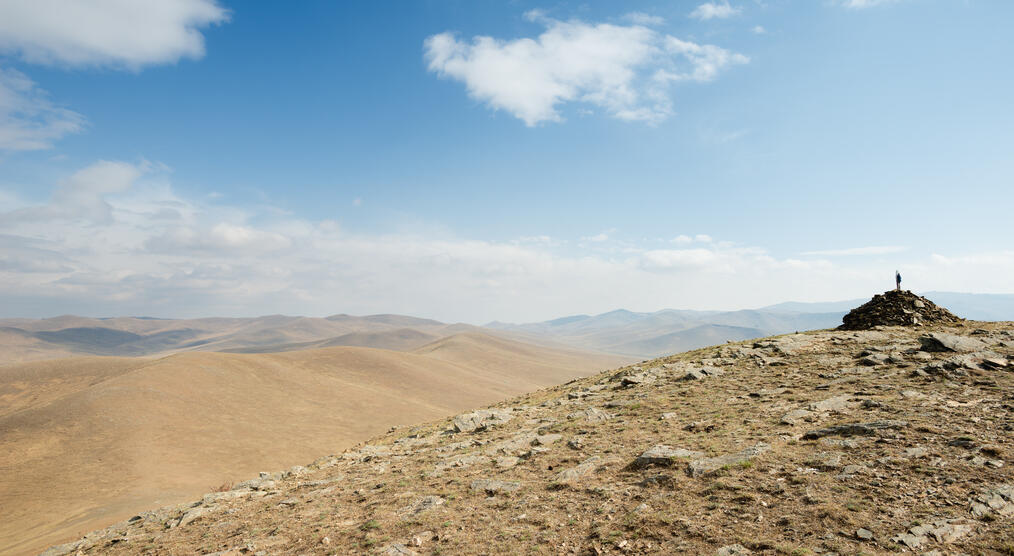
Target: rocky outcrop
896 308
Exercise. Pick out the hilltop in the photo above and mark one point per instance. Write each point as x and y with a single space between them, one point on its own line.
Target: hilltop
832 441
88 441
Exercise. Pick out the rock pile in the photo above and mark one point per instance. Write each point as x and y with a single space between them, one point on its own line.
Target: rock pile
896 308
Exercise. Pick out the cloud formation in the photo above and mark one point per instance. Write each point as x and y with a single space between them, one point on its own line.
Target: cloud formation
626 70
871 250
29 120
118 33
115 238
714 10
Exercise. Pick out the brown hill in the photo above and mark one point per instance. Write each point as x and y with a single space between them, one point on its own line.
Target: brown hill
822 442
87 441
24 340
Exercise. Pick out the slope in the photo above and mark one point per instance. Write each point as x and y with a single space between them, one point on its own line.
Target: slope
109 437
842 442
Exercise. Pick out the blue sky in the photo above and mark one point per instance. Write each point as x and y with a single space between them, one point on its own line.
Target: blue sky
512 161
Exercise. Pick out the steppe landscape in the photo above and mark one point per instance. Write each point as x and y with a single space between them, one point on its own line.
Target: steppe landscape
518 277
148 431
891 434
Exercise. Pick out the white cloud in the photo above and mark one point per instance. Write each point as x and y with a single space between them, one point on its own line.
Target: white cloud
624 70
759 30
871 250
82 196
28 119
116 239
118 33
641 18
714 10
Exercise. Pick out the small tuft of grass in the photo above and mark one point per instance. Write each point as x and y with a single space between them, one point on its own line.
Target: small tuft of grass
370 525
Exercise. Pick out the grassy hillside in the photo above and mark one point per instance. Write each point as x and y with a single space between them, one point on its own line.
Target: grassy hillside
87 441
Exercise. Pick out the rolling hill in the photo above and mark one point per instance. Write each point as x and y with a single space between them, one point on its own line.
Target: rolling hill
89 440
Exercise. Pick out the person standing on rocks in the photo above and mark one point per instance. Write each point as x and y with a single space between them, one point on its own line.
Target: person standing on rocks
897 281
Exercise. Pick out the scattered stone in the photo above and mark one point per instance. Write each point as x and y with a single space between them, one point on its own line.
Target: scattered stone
896 308
586 468
855 429
506 462
939 341
916 452
591 415
825 461
732 550
797 416
709 466
397 549
480 420
836 403
941 530
864 534
192 515
493 486
998 499
664 456
424 504
546 439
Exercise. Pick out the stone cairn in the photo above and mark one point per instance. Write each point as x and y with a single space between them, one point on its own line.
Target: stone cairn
896 308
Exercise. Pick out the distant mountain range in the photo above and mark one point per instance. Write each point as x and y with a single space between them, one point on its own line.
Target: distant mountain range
619 332
670 331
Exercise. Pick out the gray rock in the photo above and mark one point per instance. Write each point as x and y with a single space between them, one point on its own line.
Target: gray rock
709 466
826 461
939 341
836 403
864 534
480 420
586 468
493 486
732 550
507 462
547 439
855 429
591 414
941 530
192 515
397 549
664 456
424 504
797 416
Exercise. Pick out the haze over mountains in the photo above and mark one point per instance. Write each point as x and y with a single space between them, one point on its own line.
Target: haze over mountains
671 331
618 332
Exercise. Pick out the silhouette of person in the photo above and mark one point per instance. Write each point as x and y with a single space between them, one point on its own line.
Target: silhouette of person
897 281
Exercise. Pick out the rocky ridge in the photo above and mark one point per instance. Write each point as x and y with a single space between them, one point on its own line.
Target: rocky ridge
894 439
896 308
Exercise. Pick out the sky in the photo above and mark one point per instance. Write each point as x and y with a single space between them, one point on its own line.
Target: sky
514 161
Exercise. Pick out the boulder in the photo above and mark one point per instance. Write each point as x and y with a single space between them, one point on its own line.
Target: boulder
664 456
710 466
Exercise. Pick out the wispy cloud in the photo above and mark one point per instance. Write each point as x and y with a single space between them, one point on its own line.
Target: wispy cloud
714 10
861 4
128 34
115 238
625 70
29 120
851 251
641 18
